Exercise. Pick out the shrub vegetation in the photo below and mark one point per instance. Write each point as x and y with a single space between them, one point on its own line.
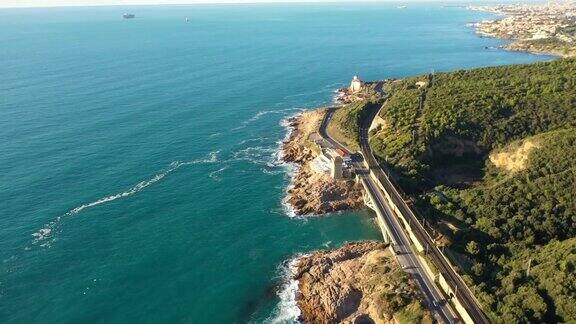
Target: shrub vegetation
503 219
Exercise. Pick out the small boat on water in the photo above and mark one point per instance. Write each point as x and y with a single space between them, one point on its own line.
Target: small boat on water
401 7
128 16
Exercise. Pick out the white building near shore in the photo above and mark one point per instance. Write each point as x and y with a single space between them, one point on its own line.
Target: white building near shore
356 84
332 162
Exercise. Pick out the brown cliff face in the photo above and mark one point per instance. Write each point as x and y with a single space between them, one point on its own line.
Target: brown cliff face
358 283
312 193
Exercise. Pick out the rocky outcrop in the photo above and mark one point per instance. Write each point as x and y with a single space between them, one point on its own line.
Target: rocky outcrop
372 90
357 283
311 193
297 148
316 194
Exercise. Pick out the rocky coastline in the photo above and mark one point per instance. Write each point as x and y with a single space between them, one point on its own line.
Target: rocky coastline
360 282
311 193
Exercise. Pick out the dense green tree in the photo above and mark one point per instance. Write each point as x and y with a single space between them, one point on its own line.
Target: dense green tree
470 113
472 248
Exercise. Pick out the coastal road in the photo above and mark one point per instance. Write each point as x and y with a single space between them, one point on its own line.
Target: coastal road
405 254
462 292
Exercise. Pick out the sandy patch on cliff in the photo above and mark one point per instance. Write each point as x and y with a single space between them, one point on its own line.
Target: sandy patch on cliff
357 283
378 124
515 159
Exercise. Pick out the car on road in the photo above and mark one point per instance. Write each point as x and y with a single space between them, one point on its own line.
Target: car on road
357 157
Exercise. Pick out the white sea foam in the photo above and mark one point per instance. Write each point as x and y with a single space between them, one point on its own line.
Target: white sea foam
290 168
272 171
287 310
267 155
268 112
262 113
251 140
285 122
48 229
314 93
215 175
334 85
271 158
238 127
264 156
288 208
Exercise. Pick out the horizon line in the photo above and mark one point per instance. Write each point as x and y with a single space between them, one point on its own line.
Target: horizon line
18 4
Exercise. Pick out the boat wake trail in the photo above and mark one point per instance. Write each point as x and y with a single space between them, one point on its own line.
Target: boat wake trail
42 235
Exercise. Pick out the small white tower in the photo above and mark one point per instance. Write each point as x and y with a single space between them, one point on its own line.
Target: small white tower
336 167
356 84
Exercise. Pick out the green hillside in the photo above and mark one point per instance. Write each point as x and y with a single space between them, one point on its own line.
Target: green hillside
529 206
514 210
491 157
468 113
346 122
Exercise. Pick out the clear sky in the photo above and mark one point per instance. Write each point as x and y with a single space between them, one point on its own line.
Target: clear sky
57 3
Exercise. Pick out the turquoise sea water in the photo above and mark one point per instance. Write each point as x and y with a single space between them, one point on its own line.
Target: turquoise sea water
139 180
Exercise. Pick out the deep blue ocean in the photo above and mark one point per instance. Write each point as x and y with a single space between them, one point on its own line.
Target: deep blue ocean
139 177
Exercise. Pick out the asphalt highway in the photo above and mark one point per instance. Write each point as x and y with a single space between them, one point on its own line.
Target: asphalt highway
401 244
461 290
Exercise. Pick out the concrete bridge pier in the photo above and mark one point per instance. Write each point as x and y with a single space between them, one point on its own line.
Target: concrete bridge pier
368 201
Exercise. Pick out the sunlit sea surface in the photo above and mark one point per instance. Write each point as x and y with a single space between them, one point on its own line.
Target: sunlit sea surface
139 176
